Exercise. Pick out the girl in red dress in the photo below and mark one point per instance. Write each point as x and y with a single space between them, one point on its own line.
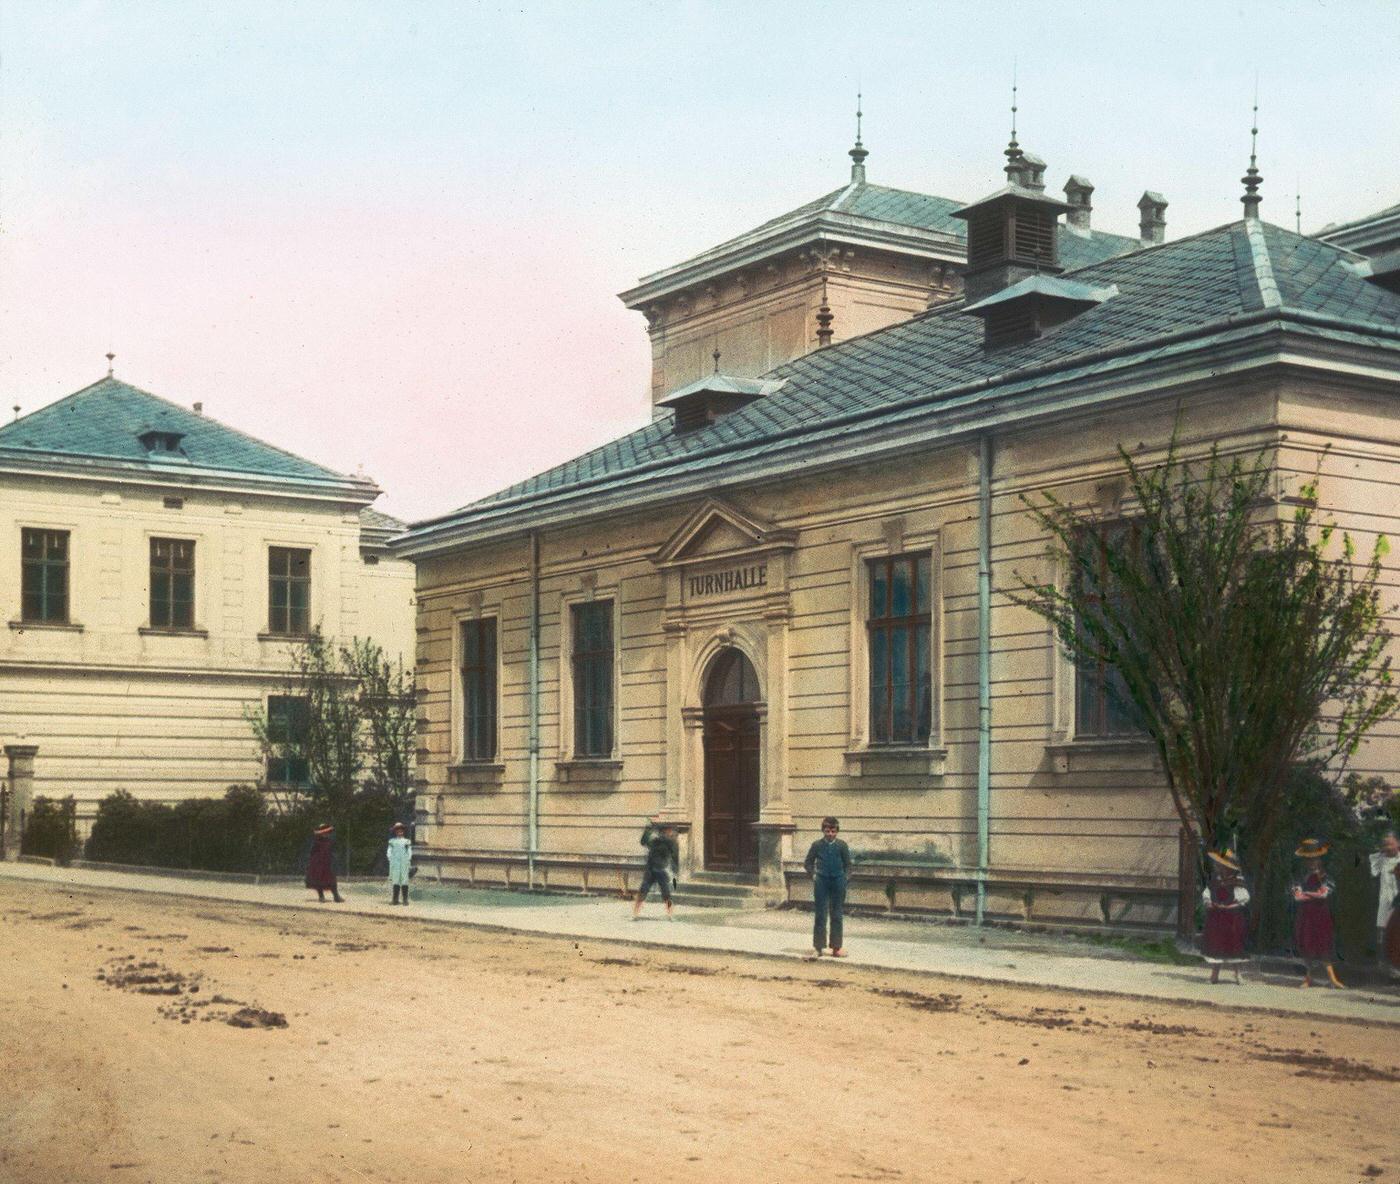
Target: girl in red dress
320 868
1227 923
1313 936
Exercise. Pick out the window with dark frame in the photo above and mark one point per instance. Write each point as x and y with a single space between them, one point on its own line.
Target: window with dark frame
288 591
172 584
479 689
288 722
593 678
1100 693
44 576
899 625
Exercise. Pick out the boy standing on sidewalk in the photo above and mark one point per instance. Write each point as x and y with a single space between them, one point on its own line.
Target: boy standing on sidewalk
663 864
828 863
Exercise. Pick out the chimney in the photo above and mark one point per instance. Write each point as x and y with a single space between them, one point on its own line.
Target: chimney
199 408
1078 193
1032 172
1152 226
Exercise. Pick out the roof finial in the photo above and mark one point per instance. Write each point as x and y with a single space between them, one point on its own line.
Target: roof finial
1298 206
16 410
858 153
715 355
1013 149
111 357
1252 177
824 318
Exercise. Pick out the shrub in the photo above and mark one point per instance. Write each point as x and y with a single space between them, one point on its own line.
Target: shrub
51 829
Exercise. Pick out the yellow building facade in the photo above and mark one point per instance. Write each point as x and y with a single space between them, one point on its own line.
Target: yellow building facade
791 596
161 566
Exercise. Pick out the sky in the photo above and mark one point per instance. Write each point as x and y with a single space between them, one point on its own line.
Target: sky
388 236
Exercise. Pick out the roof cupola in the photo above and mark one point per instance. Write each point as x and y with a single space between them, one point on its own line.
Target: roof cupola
1011 234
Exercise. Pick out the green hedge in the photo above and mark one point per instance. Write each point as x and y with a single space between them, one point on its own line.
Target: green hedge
51 829
237 833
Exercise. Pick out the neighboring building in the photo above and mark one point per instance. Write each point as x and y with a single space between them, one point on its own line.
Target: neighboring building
160 565
777 600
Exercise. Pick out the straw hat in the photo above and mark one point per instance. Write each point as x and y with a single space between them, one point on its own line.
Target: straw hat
1311 849
1225 858
324 830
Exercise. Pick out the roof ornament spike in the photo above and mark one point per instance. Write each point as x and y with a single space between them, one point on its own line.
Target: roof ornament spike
824 318
1013 149
111 357
1252 176
716 355
858 153
1298 206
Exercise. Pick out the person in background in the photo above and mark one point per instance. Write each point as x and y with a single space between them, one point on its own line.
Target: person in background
828 862
663 864
1390 939
1314 939
1385 864
320 867
400 861
1227 923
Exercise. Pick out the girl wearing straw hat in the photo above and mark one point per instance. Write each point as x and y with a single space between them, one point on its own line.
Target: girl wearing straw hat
1313 936
1227 924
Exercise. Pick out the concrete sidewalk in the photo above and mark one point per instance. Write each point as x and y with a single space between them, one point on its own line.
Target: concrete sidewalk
988 955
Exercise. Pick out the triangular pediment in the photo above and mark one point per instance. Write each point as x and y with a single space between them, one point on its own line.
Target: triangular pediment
717 530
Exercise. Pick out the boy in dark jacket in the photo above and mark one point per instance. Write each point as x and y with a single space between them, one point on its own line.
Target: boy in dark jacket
828 863
663 864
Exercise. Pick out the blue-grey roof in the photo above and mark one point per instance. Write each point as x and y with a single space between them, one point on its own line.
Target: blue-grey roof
103 423
1168 296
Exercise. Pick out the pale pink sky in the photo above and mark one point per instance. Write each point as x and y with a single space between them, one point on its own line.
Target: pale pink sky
391 234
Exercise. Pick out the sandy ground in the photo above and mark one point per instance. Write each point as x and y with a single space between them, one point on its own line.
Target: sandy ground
424 1053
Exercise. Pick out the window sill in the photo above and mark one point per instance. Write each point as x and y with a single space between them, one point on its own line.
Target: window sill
49 626
157 631
1092 753
588 771
894 760
479 774
287 637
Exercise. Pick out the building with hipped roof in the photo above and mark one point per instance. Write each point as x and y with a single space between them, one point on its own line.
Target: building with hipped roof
161 566
786 596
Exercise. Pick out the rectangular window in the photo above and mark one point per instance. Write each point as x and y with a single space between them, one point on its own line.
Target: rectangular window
1100 694
899 624
288 591
172 584
44 583
593 678
288 722
479 689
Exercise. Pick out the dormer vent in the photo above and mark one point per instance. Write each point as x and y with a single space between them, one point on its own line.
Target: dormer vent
1385 271
711 398
1028 309
157 440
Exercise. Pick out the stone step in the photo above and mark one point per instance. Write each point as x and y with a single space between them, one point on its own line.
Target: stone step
708 892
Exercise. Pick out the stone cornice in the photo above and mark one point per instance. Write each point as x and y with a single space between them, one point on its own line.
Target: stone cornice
832 226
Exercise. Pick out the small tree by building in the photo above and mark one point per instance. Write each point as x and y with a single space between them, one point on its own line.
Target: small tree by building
1241 639
344 726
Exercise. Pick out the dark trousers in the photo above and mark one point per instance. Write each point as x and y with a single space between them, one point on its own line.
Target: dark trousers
828 895
661 878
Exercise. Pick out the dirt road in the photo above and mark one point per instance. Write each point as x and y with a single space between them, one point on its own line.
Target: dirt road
166 1040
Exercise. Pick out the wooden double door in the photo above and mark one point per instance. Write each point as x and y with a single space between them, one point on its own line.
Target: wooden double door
732 736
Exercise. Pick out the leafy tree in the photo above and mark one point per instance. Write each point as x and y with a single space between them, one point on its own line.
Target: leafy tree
1245 639
354 709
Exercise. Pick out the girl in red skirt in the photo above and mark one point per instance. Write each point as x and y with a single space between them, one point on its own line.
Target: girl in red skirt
1227 923
1313 937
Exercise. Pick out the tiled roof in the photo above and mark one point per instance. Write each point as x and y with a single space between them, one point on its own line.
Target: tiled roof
923 211
377 522
873 381
102 422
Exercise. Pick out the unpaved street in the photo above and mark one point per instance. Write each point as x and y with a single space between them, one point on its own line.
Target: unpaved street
143 1040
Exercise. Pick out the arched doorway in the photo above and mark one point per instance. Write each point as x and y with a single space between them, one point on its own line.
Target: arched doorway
731 763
